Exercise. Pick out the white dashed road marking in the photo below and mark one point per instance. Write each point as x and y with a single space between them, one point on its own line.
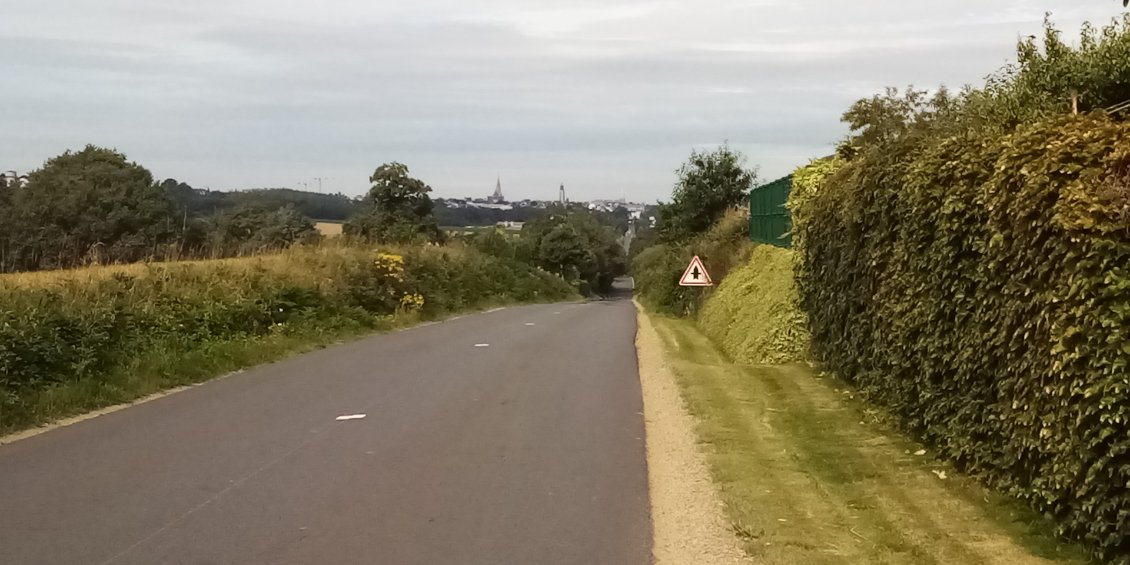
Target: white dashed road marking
350 417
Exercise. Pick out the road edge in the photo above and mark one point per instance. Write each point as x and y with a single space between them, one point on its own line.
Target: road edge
687 516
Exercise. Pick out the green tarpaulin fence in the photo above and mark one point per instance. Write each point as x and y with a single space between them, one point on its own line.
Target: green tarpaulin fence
768 216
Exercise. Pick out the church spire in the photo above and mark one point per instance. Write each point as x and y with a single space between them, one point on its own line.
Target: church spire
497 196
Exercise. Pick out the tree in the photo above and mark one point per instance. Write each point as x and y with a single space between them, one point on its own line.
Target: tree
397 209
576 246
90 205
255 230
709 184
566 251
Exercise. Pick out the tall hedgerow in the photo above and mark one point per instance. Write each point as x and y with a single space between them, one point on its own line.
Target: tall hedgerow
967 264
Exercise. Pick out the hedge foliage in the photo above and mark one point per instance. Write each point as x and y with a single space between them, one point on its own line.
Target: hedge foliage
966 261
754 315
82 325
980 287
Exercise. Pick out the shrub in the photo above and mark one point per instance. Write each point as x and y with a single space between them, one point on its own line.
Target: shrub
981 290
657 269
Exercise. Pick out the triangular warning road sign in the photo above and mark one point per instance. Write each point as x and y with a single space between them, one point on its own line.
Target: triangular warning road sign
696 274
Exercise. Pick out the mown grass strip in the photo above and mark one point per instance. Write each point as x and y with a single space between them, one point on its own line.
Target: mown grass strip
810 475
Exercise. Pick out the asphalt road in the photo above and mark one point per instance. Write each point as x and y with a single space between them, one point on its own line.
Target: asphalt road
528 451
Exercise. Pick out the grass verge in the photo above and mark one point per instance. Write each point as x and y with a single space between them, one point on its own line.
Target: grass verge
163 368
808 474
73 341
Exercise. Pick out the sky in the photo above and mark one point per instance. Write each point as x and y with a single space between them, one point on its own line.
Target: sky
606 96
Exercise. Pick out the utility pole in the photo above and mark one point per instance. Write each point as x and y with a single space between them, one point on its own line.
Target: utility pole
320 179
305 185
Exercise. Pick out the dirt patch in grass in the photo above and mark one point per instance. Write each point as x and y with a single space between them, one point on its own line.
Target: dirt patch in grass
809 475
689 525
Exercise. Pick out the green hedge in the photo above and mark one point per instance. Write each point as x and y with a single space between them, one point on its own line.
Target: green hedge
979 285
754 316
87 326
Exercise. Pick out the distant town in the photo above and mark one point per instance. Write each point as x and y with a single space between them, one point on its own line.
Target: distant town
498 203
329 210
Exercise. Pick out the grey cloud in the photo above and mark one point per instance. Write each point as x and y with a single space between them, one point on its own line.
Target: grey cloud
609 94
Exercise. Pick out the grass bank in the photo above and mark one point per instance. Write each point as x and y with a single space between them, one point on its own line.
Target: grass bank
809 474
754 316
78 340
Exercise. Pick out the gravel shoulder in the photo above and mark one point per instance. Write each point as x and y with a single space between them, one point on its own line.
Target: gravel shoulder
688 518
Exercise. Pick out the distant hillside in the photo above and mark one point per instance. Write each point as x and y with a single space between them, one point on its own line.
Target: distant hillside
200 203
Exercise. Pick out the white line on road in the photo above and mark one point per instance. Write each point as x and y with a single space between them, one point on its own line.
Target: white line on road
530 324
482 345
350 417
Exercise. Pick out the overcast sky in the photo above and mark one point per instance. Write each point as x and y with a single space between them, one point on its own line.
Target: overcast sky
603 95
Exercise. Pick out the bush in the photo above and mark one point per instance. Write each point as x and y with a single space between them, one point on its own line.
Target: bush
754 316
980 288
657 269
966 264
59 328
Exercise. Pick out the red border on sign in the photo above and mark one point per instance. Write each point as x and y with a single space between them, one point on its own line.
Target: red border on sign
688 278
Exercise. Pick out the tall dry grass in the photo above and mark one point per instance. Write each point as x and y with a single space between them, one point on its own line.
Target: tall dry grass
79 339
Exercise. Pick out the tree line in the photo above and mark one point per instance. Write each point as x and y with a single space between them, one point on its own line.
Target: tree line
94 206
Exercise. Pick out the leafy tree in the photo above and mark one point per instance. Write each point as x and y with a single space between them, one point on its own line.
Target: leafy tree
565 250
90 205
576 246
254 230
397 209
709 184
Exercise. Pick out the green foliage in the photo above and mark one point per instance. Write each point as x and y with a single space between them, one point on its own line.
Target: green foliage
1042 82
80 328
87 206
965 265
754 315
709 184
657 268
247 231
576 246
397 209
495 241
198 203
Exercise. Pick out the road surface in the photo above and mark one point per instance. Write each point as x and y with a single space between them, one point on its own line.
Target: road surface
509 437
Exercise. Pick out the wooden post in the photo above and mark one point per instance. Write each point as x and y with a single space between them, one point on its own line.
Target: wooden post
1074 103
